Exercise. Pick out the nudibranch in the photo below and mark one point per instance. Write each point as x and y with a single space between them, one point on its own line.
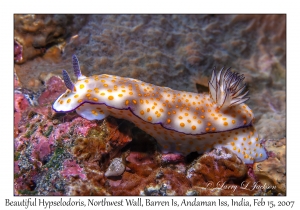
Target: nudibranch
181 122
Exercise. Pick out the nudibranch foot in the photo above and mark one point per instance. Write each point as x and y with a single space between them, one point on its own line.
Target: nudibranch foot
92 111
181 122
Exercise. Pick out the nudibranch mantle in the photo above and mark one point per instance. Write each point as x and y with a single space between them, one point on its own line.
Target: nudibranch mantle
180 121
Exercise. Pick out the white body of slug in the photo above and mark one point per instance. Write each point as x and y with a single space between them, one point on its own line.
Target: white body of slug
180 121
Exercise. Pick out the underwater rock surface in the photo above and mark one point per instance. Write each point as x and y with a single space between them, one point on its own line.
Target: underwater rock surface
273 170
63 154
35 34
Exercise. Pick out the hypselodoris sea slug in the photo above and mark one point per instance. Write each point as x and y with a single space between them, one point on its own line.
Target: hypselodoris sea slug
181 122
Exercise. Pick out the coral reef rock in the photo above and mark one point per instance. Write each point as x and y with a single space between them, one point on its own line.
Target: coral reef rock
34 34
219 172
272 172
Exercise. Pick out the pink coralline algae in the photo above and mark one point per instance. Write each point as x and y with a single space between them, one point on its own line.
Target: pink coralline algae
42 149
21 104
57 153
71 168
78 127
18 51
172 158
55 87
139 158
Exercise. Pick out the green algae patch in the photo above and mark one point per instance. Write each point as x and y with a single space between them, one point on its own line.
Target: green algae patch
48 131
27 192
55 160
98 131
31 129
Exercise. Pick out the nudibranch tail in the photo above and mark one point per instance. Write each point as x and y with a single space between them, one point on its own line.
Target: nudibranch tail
68 82
225 88
181 122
